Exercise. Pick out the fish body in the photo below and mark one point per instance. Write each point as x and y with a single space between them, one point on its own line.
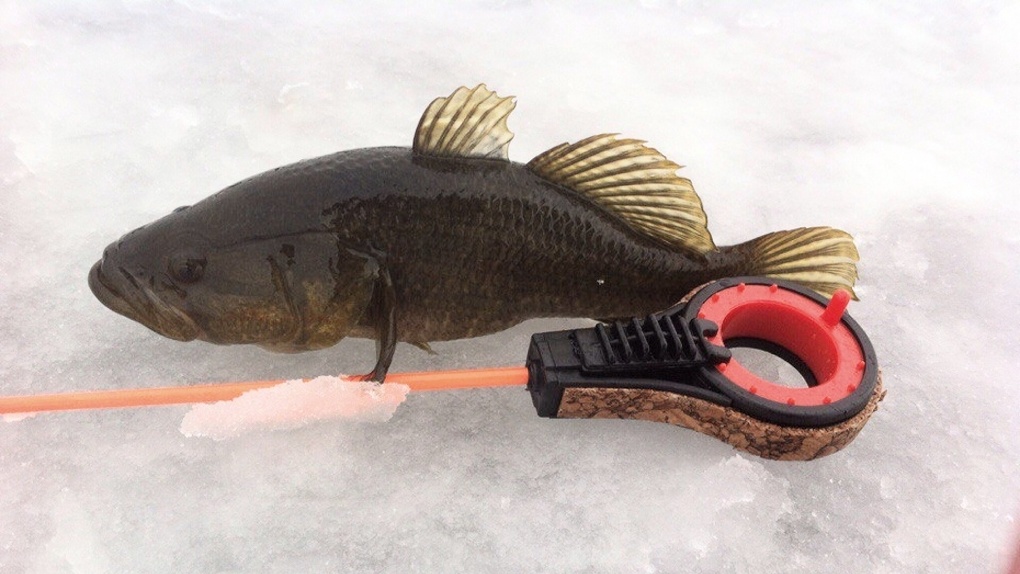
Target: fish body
444 240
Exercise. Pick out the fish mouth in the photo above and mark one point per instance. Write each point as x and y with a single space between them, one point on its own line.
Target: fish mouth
138 303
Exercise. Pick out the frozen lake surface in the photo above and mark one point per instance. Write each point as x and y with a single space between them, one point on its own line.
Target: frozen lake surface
898 124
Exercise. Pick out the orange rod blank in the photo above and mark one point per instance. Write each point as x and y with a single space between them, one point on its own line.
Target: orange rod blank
156 396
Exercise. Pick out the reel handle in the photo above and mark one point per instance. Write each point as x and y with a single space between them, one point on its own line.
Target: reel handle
674 367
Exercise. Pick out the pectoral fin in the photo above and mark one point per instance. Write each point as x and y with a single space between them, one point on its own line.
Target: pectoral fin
334 290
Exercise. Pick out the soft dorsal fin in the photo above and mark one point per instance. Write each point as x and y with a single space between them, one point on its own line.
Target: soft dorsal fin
467 123
635 182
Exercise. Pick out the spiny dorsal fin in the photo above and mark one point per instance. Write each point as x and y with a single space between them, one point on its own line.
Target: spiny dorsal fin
635 182
467 123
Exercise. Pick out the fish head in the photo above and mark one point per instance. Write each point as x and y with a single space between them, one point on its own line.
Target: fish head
182 279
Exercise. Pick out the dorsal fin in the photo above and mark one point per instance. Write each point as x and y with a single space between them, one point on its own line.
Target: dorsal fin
467 123
635 182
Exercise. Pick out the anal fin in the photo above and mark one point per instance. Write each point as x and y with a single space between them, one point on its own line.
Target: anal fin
424 346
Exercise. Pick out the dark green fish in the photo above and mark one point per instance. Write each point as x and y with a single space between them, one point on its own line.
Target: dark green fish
444 240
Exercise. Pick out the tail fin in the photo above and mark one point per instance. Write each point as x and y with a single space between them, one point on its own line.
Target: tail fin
820 258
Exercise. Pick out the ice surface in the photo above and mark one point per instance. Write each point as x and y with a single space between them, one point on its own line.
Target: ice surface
896 122
294 404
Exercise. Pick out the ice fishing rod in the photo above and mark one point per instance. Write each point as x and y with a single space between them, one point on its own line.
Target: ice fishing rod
675 366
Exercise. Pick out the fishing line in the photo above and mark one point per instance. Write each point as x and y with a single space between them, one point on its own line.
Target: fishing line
672 367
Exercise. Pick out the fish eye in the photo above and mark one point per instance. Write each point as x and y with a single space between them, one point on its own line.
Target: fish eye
187 269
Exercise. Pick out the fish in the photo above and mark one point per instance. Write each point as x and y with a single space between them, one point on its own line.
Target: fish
445 239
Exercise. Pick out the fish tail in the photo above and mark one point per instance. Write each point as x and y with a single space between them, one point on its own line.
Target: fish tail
820 258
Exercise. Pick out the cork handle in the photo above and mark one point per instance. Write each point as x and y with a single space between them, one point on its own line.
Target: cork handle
764 439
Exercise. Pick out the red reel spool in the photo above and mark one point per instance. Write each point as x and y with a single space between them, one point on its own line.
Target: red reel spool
817 332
